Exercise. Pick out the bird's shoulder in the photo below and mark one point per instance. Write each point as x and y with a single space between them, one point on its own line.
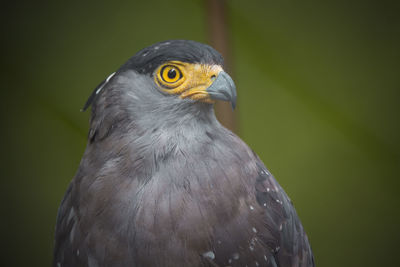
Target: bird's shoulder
266 228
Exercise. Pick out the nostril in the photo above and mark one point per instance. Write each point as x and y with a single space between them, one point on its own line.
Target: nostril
213 77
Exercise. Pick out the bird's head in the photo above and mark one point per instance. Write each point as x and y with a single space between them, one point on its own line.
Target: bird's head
185 69
167 76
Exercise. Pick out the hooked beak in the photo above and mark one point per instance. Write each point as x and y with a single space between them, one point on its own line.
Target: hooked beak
223 88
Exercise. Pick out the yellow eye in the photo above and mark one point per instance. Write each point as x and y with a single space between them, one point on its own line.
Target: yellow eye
170 74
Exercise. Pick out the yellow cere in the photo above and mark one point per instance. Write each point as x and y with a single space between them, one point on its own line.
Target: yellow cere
187 79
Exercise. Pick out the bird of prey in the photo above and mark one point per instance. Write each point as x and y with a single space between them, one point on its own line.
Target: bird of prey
163 183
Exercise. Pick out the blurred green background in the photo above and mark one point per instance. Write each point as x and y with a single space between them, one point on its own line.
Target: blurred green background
318 100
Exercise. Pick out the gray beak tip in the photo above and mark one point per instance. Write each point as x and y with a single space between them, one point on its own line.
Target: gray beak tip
223 88
233 103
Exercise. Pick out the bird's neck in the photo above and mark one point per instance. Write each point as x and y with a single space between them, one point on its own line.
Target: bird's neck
177 118
146 145
153 138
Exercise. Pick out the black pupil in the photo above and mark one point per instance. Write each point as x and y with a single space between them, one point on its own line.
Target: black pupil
172 73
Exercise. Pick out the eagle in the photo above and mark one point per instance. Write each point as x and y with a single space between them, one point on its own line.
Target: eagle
163 183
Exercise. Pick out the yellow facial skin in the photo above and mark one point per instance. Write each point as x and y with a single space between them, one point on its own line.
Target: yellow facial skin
187 79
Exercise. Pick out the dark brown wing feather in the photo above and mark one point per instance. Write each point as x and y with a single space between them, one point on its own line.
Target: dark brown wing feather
65 231
284 234
265 230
